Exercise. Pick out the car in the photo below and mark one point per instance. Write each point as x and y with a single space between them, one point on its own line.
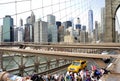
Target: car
76 66
106 60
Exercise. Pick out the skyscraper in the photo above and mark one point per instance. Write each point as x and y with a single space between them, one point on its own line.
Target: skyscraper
20 34
15 34
29 28
8 29
28 33
1 33
61 34
21 22
102 23
41 31
52 29
67 24
96 31
32 19
83 36
90 21
20 31
58 23
78 25
30 23
28 20
84 28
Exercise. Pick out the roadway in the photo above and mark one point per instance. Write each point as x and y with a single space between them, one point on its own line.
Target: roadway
59 54
65 45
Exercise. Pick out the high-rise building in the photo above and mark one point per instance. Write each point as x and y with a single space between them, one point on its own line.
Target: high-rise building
102 19
8 29
41 31
67 24
20 31
69 39
15 33
61 34
78 25
70 31
84 28
20 34
32 18
58 23
90 21
83 37
28 33
96 36
21 22
102 23
52 29
90 25
30 21
1 33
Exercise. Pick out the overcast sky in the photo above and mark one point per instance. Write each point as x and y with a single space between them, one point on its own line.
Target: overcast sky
79 8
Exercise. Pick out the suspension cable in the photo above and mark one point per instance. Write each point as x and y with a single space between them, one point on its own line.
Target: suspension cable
13 2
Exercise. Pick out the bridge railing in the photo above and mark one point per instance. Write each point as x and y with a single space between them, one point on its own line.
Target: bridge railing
22 64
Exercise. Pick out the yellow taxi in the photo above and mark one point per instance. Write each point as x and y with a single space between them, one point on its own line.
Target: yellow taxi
77 65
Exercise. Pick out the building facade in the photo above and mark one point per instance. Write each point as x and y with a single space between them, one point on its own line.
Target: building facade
32 20
52 29
67 24
8 29
90 25
96 31
41 31
102 30
78 25
15 34
84 28
58 23
1 33
28 35
90 21
30 23
61 34
20 34
83 36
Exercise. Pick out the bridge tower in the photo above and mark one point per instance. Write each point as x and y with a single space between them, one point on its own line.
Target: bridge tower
111 8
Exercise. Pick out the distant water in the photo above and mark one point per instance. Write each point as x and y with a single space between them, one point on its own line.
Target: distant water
13 62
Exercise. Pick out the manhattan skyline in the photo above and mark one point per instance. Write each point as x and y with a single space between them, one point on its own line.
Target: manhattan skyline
63 10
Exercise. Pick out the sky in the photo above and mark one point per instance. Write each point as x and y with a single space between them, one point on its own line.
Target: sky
62 9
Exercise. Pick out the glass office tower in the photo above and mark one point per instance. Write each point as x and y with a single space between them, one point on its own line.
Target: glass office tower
8 30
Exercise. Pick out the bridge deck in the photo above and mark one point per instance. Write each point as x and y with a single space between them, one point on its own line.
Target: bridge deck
60 54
